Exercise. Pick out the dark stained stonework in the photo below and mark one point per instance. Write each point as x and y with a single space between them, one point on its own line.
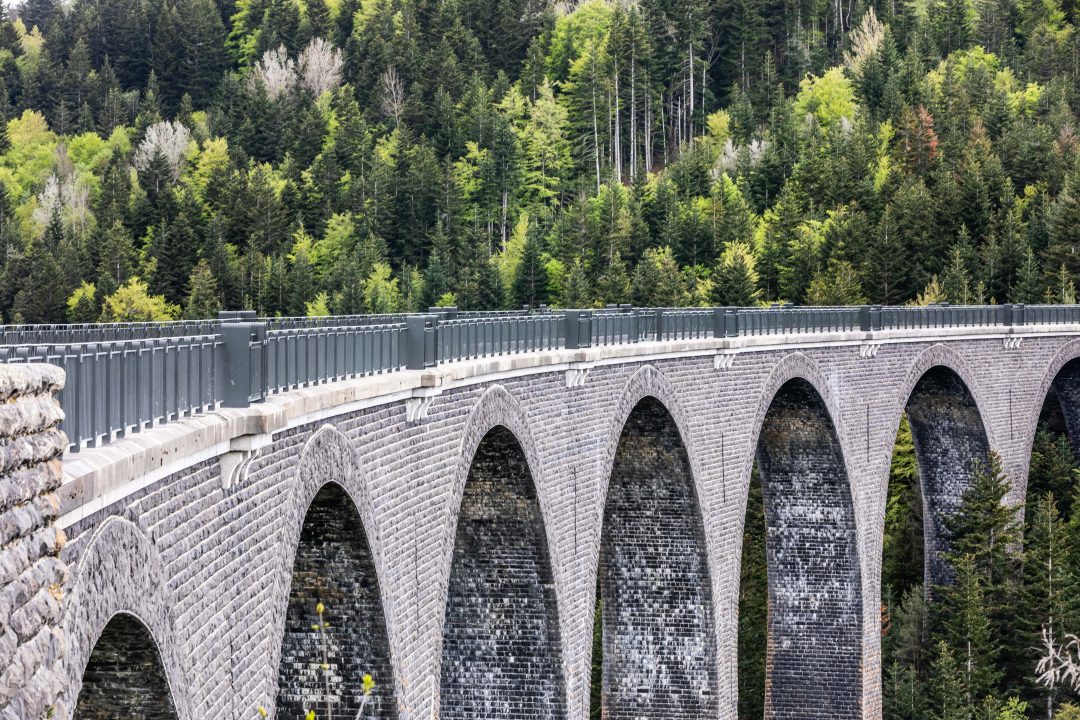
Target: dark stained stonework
814 656
333 565
1065 393
124 678
658 635
500 655
949 439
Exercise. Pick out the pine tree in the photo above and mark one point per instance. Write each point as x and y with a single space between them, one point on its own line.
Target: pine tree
657 280
736 277
1049 598
948 696
985 527
1052 468
1029 287
43 294
202 300
530 284
966 627
613 285
576 291
903 696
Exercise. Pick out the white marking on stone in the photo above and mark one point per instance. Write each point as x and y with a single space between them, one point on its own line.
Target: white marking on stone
723 361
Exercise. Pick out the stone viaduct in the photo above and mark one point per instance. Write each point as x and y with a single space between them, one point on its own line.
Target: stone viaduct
458 521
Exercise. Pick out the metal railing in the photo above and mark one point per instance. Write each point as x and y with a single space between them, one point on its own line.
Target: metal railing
124 378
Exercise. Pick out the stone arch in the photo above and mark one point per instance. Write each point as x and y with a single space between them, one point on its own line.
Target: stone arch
658 624
1061 381
500 646
939 396
331 557
119 574
815 621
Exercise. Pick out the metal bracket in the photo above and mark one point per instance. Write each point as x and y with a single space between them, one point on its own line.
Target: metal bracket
242 450
575 376
1013 342
869 350
723 361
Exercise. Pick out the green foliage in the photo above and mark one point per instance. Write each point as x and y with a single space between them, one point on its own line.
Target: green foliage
82 306
202 301
132 302
829 98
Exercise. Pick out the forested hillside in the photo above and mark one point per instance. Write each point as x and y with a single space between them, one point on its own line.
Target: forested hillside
170 157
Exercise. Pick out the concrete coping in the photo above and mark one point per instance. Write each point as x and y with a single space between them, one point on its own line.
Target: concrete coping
98 477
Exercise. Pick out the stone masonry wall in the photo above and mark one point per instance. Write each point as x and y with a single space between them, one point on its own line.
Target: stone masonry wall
333 566
500 647
659 639
31 573
813 658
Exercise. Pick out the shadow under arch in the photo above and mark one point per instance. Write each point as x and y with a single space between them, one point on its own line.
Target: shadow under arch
950 439
1059 392
815 639
333 565
501 649
658 634
124 677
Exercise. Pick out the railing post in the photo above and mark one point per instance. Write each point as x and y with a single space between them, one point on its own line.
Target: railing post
719 319
635 325
864 318
234 315
578 329
731 323
446 313
245 363
659 324
1018 314
1006 314
417 355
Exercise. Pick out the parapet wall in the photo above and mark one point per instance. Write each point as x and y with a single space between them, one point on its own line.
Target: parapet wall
32 576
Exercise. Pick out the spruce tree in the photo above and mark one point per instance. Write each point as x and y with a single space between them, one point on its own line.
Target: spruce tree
985 527
531 279
735 281
966 627
1049 598
202 300
948 695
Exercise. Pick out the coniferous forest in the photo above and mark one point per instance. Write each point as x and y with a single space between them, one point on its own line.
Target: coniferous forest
166 158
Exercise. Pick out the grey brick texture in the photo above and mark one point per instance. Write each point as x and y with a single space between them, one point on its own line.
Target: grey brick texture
209 570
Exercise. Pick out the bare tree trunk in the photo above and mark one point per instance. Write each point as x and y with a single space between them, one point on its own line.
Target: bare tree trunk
596 133
690 108
617 139
633 119
502 223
